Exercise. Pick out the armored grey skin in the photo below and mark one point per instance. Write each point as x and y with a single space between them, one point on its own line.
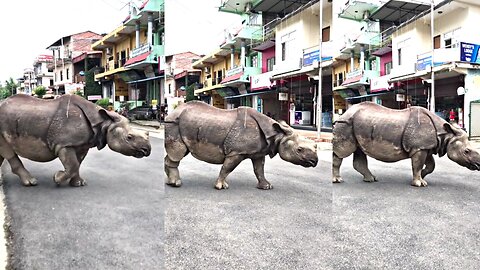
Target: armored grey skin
388 135
229 136
67 127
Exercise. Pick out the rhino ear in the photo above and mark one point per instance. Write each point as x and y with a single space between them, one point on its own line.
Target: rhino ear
110 115
283 127
452 129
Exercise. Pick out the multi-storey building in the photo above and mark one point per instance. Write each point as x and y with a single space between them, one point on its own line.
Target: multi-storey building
27 83
65 50
179 75
43 70
132 55
226 72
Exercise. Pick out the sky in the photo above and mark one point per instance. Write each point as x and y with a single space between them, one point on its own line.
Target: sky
27 28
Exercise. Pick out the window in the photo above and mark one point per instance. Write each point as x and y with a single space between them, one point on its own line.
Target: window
326 34
56 79
400 57
436 42
255 61
284 51
61 75
68 73
270 63
288 45
450 38
388 68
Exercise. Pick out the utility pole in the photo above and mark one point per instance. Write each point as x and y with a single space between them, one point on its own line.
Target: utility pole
432 87
319 92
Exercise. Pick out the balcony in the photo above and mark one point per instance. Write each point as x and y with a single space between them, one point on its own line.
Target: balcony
248 31
367 37
143 56
359 78
240 75
140 13
358 10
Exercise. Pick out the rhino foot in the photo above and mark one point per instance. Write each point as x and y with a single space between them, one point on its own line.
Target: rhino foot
370 179
221 185
337 179
77 182
264 185
177 183
29 182
57 178
419 183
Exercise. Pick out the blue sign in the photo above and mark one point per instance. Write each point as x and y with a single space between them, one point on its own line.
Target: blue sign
423 63
310 57
469 52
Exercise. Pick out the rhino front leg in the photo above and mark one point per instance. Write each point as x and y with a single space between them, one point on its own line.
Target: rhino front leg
69 159
429 166
336 163
81 154
360 164
418 161
258 168
228 166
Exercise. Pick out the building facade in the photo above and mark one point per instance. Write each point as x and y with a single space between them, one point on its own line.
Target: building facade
132 66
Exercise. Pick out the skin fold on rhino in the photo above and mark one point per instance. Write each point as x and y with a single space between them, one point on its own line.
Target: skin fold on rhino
388 135
67 127
228 137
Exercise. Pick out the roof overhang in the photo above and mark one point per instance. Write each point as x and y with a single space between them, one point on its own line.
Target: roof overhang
398 12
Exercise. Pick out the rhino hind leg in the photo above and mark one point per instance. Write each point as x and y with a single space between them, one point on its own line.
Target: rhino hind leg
360 164
336 163
6 152
228 166
419 159
258 168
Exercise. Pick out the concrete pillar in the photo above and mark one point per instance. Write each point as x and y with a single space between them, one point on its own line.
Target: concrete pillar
352 61
150 28
362 58
137 34
232 56
242 53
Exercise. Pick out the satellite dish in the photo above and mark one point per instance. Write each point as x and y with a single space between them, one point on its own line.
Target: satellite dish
461 91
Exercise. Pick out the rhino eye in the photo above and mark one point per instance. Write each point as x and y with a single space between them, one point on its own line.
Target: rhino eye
129 137
300 149
467 151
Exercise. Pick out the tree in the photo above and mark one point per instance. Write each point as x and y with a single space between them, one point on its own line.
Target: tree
91 86
40 91
11 86
190 93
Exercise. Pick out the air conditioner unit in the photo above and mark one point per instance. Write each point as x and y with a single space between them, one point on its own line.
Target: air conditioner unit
207 70
108 51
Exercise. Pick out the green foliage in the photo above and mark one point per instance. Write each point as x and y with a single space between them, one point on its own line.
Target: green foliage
11 86
4 93
103 102
40 91
190 94
91 86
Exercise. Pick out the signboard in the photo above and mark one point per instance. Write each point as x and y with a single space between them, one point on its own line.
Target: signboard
312 57
262 81
424 63
233 71
94 97
378 84
140 50
469 52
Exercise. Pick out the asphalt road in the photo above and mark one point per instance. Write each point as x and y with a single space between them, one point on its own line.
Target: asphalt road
392 225
115 222
288 227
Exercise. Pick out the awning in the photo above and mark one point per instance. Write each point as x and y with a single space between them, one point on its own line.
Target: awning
409 76
293 73
207 89
232 78
352 80
137 58
252 94
146 79
369 95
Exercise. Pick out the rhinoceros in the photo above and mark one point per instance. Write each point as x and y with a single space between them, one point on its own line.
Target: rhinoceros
369 129
66 127
227 137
